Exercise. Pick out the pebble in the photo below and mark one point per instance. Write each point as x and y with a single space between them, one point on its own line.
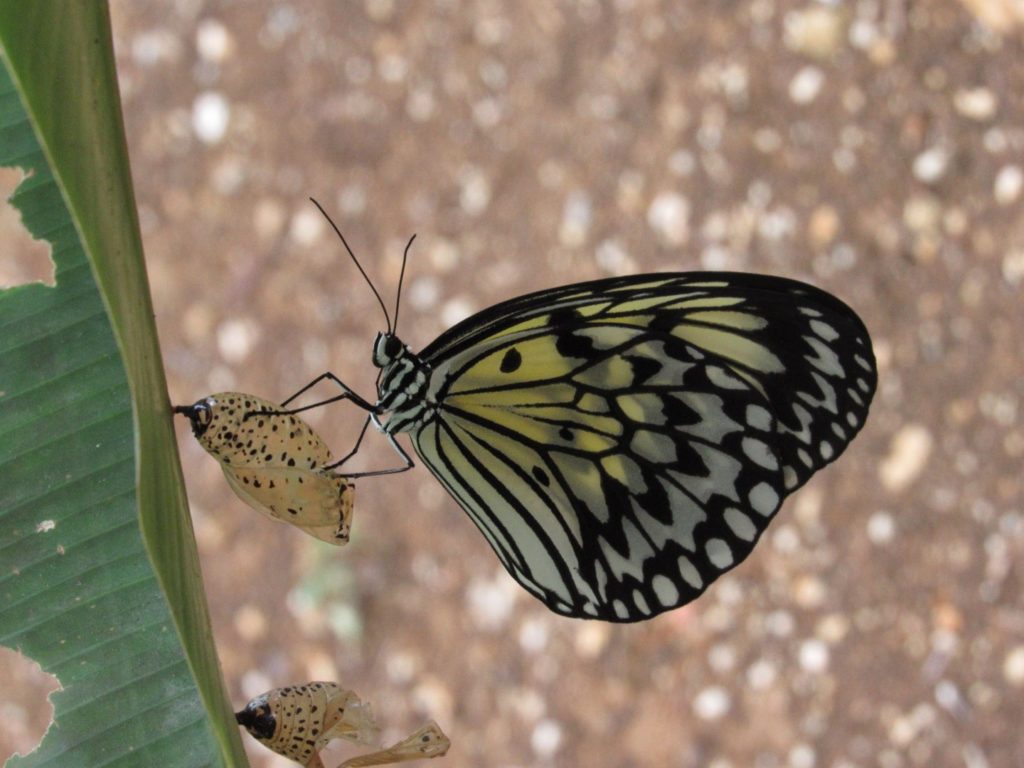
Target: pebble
806 85
474 191
761 674
490 602
591 639
533 635
455 310
814 656
909 451
250 623
815 31
881 528
546 738
669 216
213 41
931 165
922 213
236 338
823 225
976 103
577 214
307 226
1013 267
802 756
613 258
210 117
1008 184
1013 666
712 703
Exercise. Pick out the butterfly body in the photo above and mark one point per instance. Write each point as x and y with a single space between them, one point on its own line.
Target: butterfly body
621 443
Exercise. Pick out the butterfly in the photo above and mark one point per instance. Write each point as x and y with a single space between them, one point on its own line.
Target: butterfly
621 443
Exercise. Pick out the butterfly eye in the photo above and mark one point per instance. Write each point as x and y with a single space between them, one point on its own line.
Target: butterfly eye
385 349
204 415
257 720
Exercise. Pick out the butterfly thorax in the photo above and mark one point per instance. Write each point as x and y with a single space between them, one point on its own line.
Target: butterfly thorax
403 385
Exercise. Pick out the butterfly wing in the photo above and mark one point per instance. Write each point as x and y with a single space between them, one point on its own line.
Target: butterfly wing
622 443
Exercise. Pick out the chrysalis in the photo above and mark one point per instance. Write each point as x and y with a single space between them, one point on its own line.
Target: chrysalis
299 721
274 463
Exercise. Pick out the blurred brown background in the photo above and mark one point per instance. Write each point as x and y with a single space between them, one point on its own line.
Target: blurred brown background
875 148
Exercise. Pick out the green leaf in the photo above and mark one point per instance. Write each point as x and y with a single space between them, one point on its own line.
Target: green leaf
99 576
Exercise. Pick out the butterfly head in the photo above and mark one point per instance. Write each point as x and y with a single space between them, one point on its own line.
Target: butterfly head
387 348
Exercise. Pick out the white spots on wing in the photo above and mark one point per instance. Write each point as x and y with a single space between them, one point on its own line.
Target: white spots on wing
722 379
690 573
827 391
852 419
719 553
641 603
655 447
759 453
758 417
825 358
723 470
626 471
589 609
805 457
665 590
805 418
789 477
862 362
908 455
855 396
714 425
763 499
809 312
620 609
584 478
863 386
639 551
839 432
740 524
824 330
826 450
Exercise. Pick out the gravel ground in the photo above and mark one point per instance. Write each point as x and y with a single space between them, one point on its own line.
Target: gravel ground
874 148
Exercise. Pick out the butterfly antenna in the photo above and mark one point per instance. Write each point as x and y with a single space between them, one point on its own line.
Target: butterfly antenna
401 277
359 266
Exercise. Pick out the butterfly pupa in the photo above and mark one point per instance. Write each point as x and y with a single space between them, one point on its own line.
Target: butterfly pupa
297 722
274 462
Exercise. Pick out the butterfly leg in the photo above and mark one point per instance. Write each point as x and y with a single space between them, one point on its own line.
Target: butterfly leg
409 464
355 448
348 394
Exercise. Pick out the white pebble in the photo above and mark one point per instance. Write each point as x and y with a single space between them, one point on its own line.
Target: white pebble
712 703
490 602
213 41
1013 266
802 756
455 310
761 674
546 738
669 216
948 696
881 528
975 103
1008 184
1013 666
235 339
576 216
613 258
424 292
908 454
155 46
475 191
533 635
931 165
814 656
806 85
307 226
210 117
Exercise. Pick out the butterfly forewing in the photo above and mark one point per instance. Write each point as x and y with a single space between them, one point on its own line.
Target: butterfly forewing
622 443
